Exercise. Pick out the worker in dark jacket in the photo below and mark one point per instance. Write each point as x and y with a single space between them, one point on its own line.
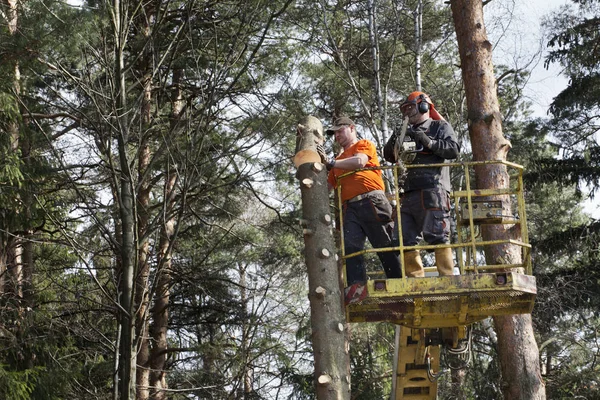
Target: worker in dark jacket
425 207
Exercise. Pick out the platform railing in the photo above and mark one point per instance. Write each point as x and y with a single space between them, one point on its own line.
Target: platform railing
470 246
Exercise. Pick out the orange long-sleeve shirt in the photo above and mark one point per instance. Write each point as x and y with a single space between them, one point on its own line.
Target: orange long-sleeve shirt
362 181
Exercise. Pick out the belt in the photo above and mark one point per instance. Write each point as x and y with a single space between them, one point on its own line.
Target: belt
364 196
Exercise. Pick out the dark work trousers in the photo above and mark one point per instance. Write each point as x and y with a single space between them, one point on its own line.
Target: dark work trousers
425 214
369 218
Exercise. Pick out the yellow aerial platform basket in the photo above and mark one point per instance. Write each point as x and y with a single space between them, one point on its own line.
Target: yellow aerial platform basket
436 310
480 290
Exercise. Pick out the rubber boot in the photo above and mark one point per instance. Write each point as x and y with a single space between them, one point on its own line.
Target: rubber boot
444 261
413 266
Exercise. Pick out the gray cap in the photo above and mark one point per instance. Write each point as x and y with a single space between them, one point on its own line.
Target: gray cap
338 123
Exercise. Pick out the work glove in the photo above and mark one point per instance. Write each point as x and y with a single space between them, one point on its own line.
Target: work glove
324 160
421 136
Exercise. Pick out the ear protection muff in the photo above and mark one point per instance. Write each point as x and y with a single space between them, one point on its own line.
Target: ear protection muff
423 105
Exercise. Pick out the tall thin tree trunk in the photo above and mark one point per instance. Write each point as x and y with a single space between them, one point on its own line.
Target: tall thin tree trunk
10 268
245 389
16 254
518 351
160 310
418 20
23 278
376 68
127 350
380 96
142 295
143 264
24 281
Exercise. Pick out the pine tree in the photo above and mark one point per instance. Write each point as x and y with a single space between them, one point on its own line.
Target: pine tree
517 348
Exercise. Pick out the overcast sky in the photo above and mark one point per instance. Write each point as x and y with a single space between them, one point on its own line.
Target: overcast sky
515 29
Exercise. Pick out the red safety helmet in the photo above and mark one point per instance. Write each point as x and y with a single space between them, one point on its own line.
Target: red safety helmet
423 103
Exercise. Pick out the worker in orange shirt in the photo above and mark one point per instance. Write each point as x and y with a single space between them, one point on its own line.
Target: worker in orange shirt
367 213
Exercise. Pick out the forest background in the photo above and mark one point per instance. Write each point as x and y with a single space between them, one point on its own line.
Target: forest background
149 237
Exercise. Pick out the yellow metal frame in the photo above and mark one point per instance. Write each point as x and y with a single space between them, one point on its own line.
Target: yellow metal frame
414 360
444 302
479 291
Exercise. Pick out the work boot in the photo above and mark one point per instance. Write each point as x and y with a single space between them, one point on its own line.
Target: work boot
413 266
355 293
444 261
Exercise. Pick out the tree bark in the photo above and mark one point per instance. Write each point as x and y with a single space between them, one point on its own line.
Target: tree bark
142 290
457 381
160 309
245 389
332 363
16 246
127 349
379 98
10 264
518 351
160 312
168 232
418 20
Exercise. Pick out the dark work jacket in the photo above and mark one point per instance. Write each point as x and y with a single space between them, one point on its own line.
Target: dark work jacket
443 147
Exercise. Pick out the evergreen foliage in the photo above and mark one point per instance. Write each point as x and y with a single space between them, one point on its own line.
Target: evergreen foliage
562 165
245 72
573 44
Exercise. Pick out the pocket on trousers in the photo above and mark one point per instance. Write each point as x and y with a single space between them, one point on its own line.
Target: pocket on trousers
436 227
382 209
435 199
431 199
438 223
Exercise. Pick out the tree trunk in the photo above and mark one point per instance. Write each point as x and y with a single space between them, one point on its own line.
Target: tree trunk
374 42
142 296
246 387
332 363
160 310
127 349
16 247
418 20
457 381
518 351
10 266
